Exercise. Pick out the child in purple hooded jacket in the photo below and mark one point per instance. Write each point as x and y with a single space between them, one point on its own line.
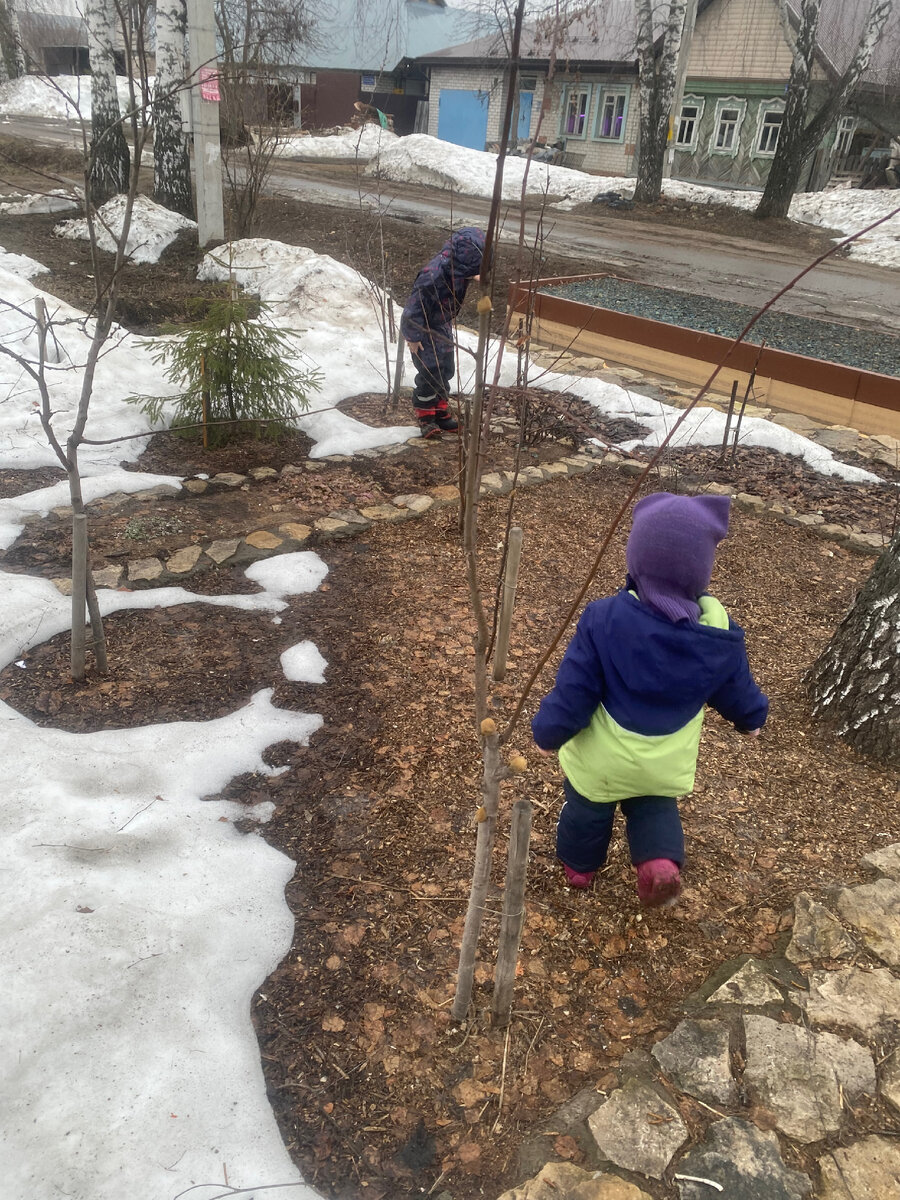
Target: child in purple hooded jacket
627 709
427 326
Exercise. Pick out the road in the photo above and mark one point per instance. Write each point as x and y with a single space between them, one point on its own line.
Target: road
728 268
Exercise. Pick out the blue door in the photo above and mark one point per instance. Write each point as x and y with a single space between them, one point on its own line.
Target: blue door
523 129
463 117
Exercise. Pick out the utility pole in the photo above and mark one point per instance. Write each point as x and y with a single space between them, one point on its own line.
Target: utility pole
205 121
684 53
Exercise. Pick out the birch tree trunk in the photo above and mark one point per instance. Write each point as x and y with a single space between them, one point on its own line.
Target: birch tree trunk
658 76
801 133
855 683
171 156
110 160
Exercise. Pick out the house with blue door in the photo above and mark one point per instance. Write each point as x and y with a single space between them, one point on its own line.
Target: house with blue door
727 127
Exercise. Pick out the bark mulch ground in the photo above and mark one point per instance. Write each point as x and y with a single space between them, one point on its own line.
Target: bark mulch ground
377 1093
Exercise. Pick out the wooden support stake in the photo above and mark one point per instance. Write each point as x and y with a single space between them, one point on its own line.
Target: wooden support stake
508 600
731 403
204 402
513 912
398 373
79 593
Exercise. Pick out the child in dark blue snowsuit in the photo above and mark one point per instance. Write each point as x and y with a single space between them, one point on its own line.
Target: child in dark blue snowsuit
427 326
627 709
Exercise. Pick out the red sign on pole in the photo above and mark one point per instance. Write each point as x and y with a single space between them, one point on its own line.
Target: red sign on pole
209 84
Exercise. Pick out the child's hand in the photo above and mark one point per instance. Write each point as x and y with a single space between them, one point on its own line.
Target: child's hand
414 347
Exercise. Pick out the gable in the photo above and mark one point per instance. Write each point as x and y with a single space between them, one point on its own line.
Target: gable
739 39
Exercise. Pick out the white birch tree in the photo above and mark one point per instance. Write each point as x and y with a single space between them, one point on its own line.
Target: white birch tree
171 154
855 683
809 114
658 75
109 159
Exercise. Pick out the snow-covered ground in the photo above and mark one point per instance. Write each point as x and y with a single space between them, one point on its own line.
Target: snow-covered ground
152 228
137 922
362 144
57 97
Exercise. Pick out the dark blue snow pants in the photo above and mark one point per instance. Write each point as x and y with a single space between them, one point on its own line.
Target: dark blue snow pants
584 829
435 366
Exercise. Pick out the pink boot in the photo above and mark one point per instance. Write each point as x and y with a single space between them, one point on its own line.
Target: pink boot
579 879
658 883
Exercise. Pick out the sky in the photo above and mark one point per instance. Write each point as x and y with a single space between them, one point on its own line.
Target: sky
137 922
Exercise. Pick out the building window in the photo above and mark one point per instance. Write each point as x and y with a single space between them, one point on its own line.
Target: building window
771 116
688 128
611 114
845 131
575 111
727 129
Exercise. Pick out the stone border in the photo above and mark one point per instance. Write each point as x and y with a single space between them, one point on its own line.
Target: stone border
287 536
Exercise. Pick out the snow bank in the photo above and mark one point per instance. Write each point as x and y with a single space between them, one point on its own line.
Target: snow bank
57 97
27 204
152 228
20 264
363 143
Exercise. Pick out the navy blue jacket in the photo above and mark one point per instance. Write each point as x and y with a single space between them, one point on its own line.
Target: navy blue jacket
440 287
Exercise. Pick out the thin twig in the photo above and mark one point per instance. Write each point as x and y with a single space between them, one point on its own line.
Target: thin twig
496 1124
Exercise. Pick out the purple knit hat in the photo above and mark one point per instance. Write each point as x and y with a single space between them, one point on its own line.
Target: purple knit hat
671 549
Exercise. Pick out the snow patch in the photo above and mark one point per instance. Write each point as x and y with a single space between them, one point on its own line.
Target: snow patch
304 664
351 144
152 228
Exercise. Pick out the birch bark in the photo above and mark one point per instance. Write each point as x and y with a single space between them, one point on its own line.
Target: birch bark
109 160
171 156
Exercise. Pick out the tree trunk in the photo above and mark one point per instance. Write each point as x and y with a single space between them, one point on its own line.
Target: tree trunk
658 75
171 156
110 160
855 683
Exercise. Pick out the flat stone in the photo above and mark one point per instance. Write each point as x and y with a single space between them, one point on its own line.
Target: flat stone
529 476
332 528
565 1181
292 469
696 1055
837 437
889 1085
797 422
834 533
553 469
383 512
888 441
63 585
144 570
638 1130
865 1001
887 458
263 539
339 458
749 985
261 473
222 550
885 861
817 933
632 466
802 1077
107 577
403 501
196 486
229 479
184 560
295 531
782 509
446 494
867 1170
745 1161
806 519
718 489
350 515
866 543
420 504
874 909
160 492
579 464
63 513
494 482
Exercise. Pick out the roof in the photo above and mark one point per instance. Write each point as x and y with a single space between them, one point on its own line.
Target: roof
375 35
840 26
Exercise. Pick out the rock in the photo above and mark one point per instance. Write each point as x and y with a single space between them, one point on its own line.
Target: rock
160 492
64 586
806 519
295 532
553 469
867 1002
445 495
797 423
263 539
420 504
837 437
565 1181
874 909
866 543
144 570
62 514
579 464
750 503
529 476
749 985
632 466
229 479
887 458
802 1077
755 410
885 861
817 933
184 560
261 473
718 489
888 441
834 533
867 1170
495 482
638 1130
331 527
195 486
292 469
107 577
889 1086
222 550
696 1055
745 1161
350 515
382 512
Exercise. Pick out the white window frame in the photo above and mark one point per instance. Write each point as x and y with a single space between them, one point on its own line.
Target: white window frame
767 106
721 105
699 103
613 92
577 89
846 128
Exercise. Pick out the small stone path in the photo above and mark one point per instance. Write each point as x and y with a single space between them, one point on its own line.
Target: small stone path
792 1063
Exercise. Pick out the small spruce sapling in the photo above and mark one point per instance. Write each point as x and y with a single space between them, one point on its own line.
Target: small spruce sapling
237 374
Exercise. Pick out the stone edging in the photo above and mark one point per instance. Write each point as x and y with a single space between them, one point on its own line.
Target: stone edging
340 524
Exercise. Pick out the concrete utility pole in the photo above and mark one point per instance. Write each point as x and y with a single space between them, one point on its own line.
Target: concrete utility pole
684 53
205 121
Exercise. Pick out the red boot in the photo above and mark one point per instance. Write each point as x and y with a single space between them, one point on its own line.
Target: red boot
658 883
579 879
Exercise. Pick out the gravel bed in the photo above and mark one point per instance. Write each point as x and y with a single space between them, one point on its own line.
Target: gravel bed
783 331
